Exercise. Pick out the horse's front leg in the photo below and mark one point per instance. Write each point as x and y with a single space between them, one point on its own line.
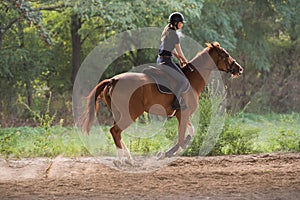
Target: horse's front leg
127 154
191 132
182 143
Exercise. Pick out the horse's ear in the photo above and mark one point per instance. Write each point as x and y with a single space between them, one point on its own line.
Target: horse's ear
217 44
214 44
208 44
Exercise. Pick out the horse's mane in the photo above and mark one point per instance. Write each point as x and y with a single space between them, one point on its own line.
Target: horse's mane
208 47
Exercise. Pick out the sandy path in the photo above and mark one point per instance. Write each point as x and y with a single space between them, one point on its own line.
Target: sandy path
266 176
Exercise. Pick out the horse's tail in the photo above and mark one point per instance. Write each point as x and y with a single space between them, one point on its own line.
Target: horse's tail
88 116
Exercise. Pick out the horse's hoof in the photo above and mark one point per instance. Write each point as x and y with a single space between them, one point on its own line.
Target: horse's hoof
117 163
160 155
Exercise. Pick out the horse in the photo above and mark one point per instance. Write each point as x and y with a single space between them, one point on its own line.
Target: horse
130 94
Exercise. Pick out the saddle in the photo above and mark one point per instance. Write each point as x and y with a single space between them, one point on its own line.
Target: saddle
164 82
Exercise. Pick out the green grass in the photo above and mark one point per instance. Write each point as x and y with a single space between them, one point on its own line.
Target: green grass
274 132
34 142
140 138
244 133
248 133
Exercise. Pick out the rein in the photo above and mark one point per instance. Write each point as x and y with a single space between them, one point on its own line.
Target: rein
192 67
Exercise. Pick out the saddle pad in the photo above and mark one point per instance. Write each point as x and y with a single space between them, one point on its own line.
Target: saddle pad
162 80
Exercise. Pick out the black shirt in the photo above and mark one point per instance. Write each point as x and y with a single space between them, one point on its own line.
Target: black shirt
168 44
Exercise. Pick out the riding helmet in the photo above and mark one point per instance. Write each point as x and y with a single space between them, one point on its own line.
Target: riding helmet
176 17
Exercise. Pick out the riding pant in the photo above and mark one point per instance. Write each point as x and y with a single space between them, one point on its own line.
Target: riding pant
174 70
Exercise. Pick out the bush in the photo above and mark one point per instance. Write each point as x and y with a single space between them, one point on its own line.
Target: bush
284 133
235 139
205 112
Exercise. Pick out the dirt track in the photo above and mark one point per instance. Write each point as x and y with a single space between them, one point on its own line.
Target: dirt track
267 176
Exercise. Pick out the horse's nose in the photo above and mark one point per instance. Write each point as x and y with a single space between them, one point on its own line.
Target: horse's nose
241 70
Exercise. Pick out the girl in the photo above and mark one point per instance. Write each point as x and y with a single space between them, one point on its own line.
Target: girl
170 46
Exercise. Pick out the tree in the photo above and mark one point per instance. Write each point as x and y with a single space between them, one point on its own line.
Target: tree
42 45
112 19
16 58
267 26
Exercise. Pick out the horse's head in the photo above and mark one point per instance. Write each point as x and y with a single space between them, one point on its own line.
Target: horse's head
223 60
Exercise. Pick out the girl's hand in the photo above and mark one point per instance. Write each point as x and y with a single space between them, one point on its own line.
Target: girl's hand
183 62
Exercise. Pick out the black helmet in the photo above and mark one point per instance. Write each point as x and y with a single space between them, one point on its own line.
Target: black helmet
176 17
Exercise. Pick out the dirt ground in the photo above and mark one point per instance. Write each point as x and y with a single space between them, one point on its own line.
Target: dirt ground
264 176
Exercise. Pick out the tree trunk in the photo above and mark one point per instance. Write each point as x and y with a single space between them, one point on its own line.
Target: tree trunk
1 39
27 80
76 45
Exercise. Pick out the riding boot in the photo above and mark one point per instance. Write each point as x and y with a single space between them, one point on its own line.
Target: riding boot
178 104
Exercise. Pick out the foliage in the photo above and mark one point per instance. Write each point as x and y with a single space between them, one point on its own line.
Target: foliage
218 22
45 119
236 140
39 53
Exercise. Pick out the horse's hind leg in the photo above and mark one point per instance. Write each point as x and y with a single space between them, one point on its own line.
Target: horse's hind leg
123 117
116 134
122 150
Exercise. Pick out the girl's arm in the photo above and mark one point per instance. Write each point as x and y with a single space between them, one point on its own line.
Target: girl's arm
176 55
180 54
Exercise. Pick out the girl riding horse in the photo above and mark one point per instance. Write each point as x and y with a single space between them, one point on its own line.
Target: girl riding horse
170 46
129 95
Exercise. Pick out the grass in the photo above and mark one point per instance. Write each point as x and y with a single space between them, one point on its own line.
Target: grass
33 142
244 133
274 132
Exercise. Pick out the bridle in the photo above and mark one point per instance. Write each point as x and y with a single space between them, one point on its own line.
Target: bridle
229 66
222 56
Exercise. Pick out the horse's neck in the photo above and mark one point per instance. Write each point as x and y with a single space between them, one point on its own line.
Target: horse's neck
203 61
204 64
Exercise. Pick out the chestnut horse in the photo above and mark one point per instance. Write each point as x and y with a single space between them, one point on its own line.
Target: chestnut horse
130 94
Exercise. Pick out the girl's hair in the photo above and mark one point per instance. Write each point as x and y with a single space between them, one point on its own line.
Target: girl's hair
165 31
